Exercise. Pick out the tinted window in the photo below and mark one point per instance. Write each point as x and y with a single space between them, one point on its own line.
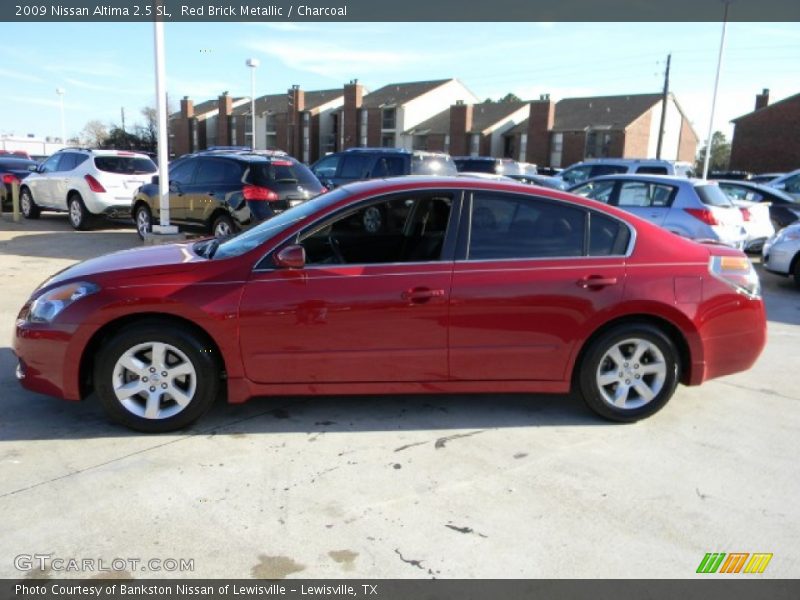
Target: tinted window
51 164
598 170
125 165
576 174
472 165
792 184
408 228
642 193
607 236
712 195
389 166
69 160
16 164
211 171
182 172
596 190
518 227
432 164
327 166
652 170
354 166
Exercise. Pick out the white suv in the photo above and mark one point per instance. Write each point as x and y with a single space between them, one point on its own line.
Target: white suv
589 169
86 183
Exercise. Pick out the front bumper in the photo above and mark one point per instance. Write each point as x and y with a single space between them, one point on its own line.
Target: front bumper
45 363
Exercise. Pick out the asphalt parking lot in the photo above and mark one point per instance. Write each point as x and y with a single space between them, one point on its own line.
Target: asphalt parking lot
384 487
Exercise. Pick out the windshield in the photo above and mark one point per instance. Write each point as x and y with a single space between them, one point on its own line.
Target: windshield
252 238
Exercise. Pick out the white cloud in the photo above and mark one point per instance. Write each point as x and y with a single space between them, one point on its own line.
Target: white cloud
38 101
6 73
107 89
333 60
93 69
198 89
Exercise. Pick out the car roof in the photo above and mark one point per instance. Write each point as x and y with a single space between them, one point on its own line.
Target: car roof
679 179
247 157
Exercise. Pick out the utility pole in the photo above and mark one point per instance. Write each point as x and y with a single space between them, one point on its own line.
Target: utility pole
707 157
664 98
122 112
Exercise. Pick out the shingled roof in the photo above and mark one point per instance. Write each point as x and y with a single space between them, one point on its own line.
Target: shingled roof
484 115
613 112
279 103
396 94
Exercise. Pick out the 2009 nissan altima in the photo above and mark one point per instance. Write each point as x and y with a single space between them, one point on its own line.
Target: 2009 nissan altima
408 285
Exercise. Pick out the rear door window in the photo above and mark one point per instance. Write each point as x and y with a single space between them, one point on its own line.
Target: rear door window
596 190
645 194
506 227
354 166
125 165
607 236
216 172
389 166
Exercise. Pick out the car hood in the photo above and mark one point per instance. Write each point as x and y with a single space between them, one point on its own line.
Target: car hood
177 255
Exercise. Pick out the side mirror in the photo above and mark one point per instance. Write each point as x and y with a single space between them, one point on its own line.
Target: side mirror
174 186
33 168
291 257
154 180
327 183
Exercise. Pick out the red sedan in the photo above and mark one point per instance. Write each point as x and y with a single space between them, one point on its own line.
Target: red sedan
410 285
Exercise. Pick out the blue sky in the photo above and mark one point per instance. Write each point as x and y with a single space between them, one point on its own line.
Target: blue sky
105 66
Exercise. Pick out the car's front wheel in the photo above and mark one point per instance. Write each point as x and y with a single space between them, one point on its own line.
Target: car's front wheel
27 205
629 372
144 220
155 376
222 227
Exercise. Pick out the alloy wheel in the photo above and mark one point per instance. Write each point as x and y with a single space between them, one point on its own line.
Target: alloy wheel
631 374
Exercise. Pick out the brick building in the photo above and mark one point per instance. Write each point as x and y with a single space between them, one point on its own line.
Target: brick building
469 129
767 139
573 129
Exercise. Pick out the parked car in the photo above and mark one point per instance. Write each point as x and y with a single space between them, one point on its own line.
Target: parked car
12 170
224 191
471 286
731 175
357 164
789 183
781 253
549 171
692 208
783 209
764 178
523 173
589 169
86 183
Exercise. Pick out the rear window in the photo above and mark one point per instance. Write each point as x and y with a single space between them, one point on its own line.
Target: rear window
432 165
281 171
475 166
17 164
712 195
125 165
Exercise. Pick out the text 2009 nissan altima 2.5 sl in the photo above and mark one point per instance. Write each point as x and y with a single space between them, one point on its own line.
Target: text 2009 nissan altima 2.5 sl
410 285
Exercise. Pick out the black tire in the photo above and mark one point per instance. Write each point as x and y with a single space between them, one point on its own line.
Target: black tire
796 271
79 217
143 219
27 205
652 373
220 224
201 387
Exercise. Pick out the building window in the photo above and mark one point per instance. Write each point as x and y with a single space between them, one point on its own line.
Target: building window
387 140
306 136
447 143
363 137
598 144
388 120
523 147
475 144
556 149
270 132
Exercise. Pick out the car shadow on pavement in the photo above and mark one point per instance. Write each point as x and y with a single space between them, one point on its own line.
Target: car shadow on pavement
69 245
26 415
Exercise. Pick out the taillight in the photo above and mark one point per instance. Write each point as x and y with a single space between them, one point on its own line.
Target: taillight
703 214
745 213
94 185
737 272
9 179
256 192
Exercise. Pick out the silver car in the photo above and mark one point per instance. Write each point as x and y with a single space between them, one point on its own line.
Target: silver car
789 183
692 208
781 253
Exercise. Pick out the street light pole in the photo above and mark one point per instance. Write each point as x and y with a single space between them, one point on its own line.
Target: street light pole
161 108
253 64
707 158
60 92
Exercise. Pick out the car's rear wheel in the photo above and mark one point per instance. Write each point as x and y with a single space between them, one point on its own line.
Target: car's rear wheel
222 226
156 377
144 220
629 372
79 216
27 205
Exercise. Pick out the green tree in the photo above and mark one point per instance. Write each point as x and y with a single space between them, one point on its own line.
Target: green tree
720 154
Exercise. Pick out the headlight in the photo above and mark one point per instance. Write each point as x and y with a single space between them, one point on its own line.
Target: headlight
48 306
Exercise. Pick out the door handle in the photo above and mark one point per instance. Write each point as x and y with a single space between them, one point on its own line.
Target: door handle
421 295
596 282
